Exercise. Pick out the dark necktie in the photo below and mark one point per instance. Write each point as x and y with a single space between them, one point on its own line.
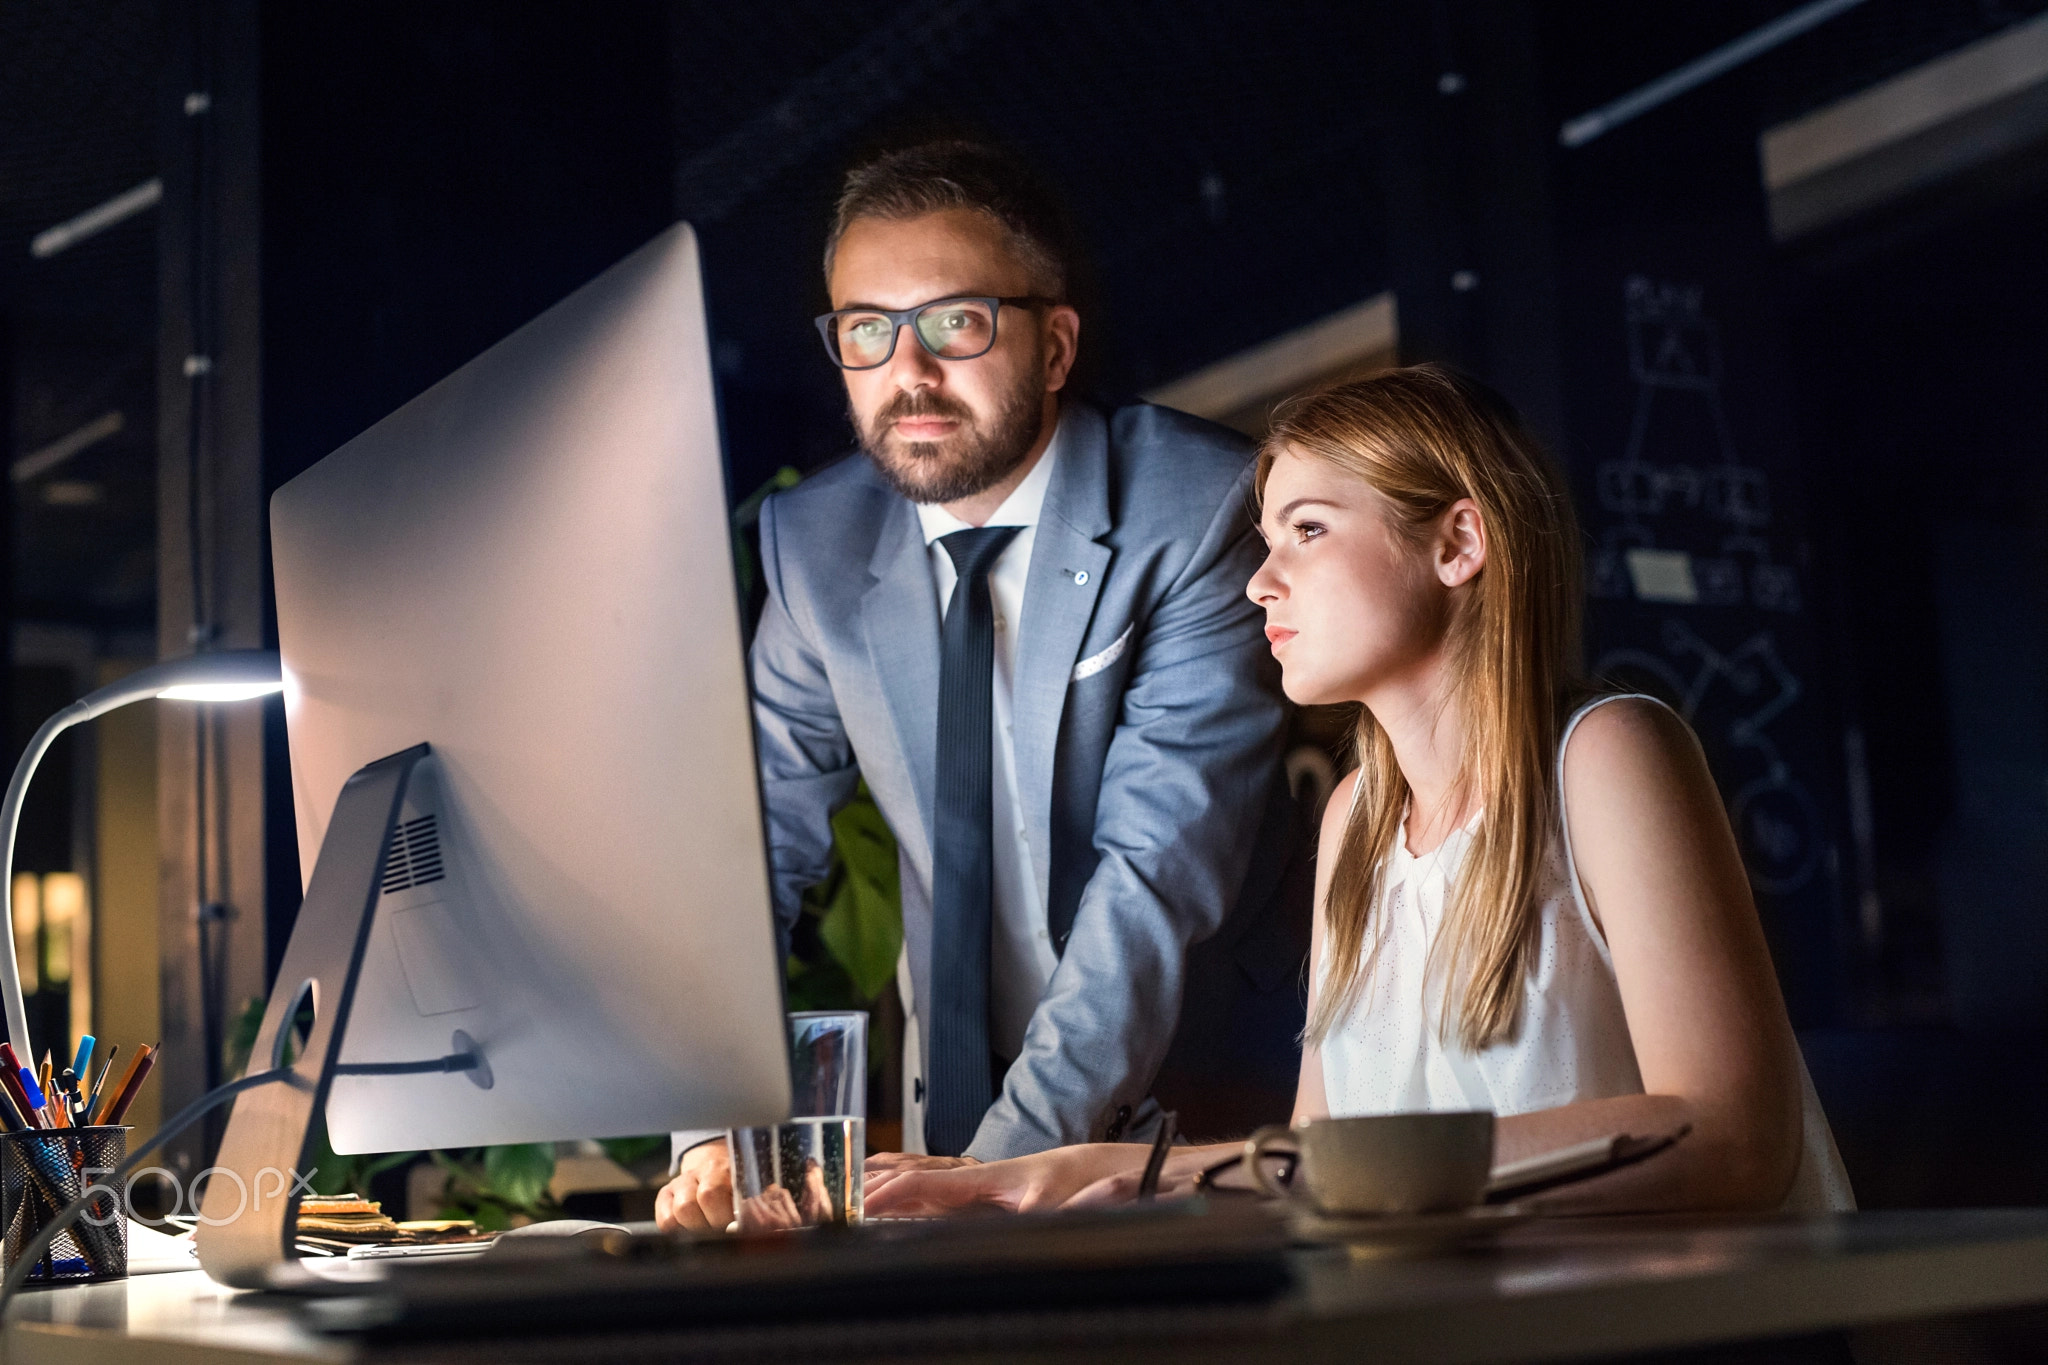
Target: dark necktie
959 1088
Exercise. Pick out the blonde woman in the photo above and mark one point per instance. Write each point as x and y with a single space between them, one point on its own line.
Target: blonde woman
1529 899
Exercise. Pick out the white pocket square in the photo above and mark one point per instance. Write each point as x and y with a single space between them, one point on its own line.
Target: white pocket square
1095 663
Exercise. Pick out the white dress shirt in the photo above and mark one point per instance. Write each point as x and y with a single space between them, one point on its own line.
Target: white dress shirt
1021 959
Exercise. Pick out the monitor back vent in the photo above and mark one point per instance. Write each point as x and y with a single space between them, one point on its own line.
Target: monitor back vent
415 856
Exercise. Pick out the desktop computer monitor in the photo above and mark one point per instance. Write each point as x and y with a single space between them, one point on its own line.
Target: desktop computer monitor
529 569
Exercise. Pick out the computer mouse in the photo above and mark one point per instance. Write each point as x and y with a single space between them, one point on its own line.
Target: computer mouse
556 1237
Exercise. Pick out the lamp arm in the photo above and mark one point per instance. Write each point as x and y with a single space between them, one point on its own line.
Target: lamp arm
10 820
138 686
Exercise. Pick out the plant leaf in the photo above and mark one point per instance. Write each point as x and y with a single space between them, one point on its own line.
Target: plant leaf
628 1150
862 927
519 1173
488 1215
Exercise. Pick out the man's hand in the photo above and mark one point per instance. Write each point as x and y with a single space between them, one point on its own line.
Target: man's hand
772 1210
699 1199
885 1167
912 1161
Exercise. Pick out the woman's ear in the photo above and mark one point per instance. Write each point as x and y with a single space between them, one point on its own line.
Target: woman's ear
1460 543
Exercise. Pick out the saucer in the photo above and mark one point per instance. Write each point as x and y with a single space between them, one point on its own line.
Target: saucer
1398 1234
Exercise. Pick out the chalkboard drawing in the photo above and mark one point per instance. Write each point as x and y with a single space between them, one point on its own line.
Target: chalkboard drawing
1672 343
1774 816
1775 587
1674 346
1720 581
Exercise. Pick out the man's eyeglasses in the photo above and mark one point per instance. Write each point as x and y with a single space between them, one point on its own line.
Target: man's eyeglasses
951 329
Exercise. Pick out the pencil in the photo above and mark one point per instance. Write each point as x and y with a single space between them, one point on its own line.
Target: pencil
127 1078
145 1058
92 1101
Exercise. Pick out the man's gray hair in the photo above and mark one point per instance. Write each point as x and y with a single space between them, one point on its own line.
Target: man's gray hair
933 177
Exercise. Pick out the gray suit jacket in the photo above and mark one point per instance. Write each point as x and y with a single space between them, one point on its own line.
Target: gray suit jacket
1148 723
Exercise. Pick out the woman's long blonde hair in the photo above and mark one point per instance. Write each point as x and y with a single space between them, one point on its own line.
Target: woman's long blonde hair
1424 437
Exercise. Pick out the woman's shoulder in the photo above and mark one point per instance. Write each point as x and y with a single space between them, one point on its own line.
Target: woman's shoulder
1624 749
1619 726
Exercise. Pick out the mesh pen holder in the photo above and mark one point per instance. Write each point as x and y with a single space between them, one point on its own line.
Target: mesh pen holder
41 1172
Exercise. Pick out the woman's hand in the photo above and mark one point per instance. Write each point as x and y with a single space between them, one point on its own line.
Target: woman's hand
1045 1180
1176 1178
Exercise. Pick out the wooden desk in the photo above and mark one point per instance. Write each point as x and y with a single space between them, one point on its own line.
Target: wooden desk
1540 1290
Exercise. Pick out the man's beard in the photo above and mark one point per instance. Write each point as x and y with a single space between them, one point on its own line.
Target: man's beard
921 470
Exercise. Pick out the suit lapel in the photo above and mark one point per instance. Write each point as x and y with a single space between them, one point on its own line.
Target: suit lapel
1067 569
900 616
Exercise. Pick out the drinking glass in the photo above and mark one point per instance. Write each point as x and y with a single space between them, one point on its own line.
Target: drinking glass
807 1172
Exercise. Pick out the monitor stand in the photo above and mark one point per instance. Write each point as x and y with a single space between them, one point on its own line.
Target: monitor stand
250 1210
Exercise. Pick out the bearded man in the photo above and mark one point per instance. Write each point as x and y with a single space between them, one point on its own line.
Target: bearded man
1022 620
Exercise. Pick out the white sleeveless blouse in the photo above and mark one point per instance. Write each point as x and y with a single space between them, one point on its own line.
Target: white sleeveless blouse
1387 1055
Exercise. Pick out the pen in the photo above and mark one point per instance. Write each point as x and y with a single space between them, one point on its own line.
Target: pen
10 1080
35 1097
44 1076
138 1072
84 1057
1162 1143
18 1097
69 1100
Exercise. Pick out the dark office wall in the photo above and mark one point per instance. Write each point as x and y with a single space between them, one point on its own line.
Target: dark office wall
1921 371
1682 441
1470 234
433 177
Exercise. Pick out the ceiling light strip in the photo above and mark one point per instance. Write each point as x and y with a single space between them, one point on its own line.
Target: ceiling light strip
1583 129
37 463
72 231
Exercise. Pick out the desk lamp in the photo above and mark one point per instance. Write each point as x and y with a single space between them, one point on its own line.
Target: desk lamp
228 675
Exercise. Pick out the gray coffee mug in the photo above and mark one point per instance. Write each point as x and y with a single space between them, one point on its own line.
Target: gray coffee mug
1381 1163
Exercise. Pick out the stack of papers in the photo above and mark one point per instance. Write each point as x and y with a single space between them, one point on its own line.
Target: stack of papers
334 1223
152 1251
